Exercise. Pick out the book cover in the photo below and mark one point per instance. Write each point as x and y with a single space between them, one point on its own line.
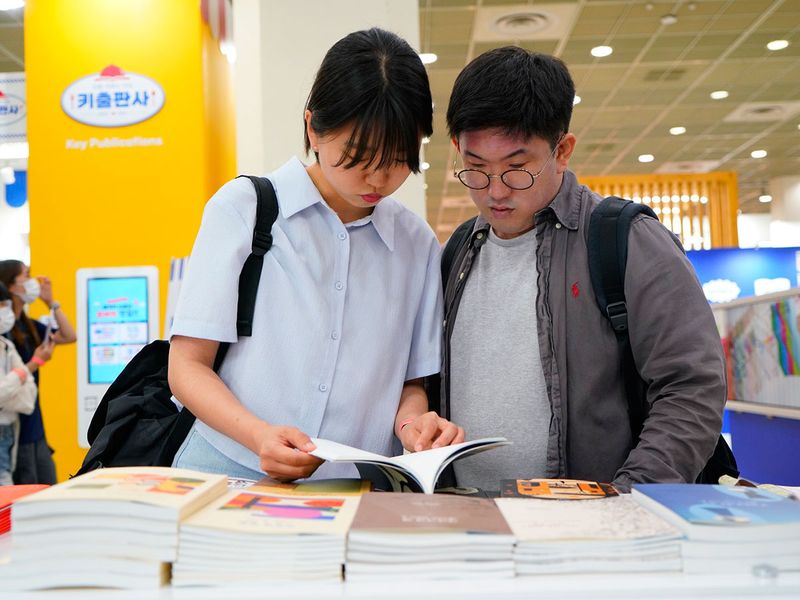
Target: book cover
256 510
314 487
556 489
413 472
411 513
148 492
718 512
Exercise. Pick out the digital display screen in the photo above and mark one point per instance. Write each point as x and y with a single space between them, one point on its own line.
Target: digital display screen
117 324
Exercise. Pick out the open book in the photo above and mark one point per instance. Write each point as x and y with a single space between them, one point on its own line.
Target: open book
416 472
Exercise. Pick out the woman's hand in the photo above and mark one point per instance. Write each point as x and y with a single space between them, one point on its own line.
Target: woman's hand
283 452
46 290
44 351
429 430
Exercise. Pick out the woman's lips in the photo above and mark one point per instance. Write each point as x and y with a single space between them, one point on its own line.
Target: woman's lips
371 198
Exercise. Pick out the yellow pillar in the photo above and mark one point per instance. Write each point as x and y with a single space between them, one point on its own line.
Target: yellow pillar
137 201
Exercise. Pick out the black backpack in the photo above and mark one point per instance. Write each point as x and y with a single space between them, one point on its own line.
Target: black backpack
612 220
136 422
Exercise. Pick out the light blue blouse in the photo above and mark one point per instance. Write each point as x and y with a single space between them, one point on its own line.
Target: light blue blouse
345 314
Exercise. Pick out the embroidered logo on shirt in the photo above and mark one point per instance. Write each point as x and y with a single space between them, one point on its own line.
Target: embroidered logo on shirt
575 290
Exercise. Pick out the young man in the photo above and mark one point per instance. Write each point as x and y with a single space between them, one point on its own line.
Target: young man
528 353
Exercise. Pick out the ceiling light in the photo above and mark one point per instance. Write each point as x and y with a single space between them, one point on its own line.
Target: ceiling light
719 95
669 19
601 51
576 100
777 45
646 158
758 153
428 58
424 166
764 198
677 130
11 4
12 150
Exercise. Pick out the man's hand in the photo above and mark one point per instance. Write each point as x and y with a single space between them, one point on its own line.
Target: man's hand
284 453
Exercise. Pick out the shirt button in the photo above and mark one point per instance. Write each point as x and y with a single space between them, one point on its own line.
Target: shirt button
558 225
339 285
323 387
335 335
343 236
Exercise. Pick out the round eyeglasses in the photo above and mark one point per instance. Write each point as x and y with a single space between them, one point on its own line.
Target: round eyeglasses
516 179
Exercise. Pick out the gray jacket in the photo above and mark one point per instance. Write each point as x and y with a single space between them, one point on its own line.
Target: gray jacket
674 339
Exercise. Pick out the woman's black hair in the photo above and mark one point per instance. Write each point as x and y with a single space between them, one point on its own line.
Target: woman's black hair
9 271
4 293
374 81
522 93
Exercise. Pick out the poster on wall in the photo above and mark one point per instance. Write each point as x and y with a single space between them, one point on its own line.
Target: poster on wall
762 349
13 108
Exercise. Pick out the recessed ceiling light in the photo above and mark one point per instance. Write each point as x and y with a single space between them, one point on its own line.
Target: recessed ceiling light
677 130
758 153
646 158
777 45
764 198
669 19
719 95
428 58
424 166
601 51
576 100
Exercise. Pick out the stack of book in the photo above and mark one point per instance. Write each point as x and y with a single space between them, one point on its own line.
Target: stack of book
115 527
269 531
728 529
428 537
605 535
8 495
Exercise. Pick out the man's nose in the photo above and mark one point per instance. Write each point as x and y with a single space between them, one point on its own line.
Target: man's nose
497 189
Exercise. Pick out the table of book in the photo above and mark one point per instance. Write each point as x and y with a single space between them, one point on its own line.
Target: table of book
607 549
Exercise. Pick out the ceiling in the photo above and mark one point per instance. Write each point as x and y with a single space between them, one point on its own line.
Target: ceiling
659 76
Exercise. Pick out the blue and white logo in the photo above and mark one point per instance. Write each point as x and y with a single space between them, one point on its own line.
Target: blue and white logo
12 108
112 98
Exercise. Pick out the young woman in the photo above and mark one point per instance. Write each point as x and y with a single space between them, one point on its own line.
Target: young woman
17 389
349 307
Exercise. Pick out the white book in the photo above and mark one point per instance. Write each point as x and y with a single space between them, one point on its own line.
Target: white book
414 472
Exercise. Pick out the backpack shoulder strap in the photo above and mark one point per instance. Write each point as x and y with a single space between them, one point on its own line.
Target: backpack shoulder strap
266 214
607 247
457 241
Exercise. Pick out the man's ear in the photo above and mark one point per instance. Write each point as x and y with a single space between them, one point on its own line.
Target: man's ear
454 140
564 152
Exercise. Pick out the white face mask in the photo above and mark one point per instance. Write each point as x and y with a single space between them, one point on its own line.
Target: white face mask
32 290
7 319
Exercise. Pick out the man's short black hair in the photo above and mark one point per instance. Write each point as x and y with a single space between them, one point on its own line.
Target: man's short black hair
520 92
375 82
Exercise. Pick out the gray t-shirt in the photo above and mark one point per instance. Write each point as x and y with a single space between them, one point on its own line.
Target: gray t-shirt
496 377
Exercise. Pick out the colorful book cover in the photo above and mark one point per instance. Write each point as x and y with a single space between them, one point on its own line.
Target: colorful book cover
720 505
556 489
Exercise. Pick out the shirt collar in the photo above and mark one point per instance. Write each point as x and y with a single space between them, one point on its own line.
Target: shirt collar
298 192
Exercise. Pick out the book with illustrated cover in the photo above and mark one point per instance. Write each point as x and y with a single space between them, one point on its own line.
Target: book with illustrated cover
413 472
611 534
556 489
722 513
114 527
269 531
428 537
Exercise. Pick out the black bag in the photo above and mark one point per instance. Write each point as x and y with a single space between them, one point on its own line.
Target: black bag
607 247
136 422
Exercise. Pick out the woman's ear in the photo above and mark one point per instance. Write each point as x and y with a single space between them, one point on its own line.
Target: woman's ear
312 135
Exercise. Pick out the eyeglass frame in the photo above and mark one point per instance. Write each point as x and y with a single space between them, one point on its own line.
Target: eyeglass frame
457 174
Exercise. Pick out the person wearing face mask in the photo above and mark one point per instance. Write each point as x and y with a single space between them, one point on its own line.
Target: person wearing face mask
17 389
34 462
